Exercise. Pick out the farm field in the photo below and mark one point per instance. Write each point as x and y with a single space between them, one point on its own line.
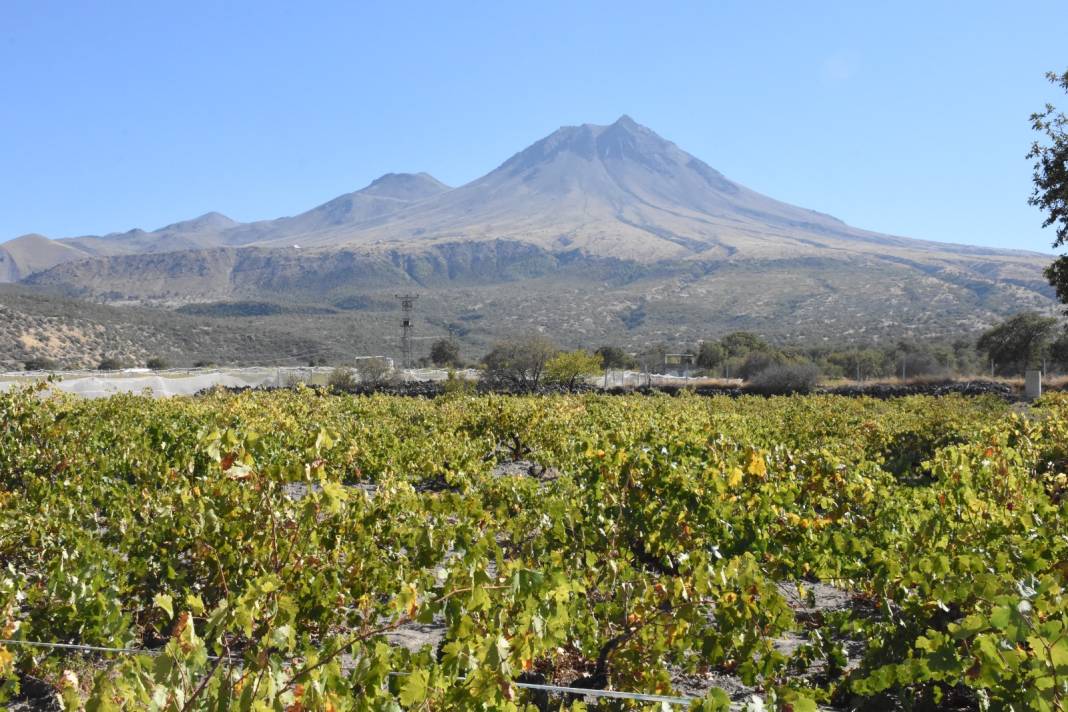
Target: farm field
294 550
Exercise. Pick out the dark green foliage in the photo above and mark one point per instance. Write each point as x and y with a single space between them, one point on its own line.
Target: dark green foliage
634 317
757 362
223 309
1019 342
785 379
1051 180
1051 164
250 308
157 363
445 352
616 357
1058 351
110 363
711 355
40 364
861 364
363 302
742 343
917 360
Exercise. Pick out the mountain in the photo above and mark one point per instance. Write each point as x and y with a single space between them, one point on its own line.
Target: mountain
387 194
618 190
32 253
383 197
652 241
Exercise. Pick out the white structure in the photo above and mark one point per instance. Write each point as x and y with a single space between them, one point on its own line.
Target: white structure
1032 385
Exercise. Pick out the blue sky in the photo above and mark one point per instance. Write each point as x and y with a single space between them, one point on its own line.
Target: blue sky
906 118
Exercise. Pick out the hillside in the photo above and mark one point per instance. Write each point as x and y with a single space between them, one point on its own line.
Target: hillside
77 334
23 256
610 231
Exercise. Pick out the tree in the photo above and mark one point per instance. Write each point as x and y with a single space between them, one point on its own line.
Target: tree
521 361
1051 181
742 343
1017 343
710 355
445 352
1058 351
652 358
615 357
40 364
374 371
157 363
109 363
567 367
915 359
342 380
759 361
860 363
785 379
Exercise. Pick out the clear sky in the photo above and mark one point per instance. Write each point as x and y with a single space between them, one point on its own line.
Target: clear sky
908 118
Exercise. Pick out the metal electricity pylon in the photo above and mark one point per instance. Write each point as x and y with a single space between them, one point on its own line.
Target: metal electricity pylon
407 302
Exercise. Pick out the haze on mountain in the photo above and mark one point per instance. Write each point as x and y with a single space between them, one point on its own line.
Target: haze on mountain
591 207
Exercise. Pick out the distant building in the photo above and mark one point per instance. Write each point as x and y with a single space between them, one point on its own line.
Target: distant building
681 364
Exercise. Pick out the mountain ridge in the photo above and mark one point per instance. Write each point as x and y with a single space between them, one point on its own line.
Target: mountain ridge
614 215
589 163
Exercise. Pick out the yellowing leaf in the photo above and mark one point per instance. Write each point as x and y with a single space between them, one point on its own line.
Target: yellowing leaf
735 477
757 466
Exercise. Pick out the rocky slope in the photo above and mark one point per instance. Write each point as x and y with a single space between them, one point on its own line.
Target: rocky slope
622 221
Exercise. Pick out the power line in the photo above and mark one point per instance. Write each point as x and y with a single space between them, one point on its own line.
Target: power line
559 689
87 648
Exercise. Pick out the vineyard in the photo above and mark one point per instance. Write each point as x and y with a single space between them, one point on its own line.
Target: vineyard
294 550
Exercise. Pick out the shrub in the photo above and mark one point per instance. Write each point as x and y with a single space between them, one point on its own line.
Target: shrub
374 371
519 362
784 379
40 364
157 363
445 352
342 379
616 357
757 362
456 384
109 363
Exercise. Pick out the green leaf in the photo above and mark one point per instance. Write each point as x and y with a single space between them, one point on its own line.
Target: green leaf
164 602
414 688
195 604
1000 616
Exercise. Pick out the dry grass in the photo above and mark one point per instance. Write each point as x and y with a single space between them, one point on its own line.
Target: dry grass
1057 381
